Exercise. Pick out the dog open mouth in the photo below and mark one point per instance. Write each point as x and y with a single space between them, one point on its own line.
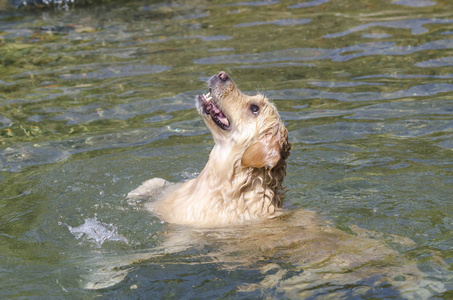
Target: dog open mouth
210 108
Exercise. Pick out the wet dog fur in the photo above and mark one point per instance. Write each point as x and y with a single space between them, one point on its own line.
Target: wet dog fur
243 179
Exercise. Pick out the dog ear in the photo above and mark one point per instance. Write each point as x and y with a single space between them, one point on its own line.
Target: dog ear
264 152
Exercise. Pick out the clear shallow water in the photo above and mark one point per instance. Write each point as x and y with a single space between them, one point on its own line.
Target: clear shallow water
95 100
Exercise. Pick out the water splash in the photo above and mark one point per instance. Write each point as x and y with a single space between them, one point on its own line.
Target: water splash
94 231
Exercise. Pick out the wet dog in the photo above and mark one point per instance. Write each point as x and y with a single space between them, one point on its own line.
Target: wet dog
242 181
241 185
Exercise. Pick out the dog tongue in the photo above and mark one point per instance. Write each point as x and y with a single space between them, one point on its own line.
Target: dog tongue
222 118
214 110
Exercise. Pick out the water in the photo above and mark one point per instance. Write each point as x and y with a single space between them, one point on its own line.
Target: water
96 99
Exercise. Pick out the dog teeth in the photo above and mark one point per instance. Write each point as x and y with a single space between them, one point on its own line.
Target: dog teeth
208 97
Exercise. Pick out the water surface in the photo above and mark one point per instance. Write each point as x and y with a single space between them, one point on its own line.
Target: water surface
96 99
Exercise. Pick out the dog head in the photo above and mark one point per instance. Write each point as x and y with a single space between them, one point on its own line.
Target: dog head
249 125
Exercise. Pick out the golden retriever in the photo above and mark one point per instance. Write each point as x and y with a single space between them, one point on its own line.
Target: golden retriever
242 181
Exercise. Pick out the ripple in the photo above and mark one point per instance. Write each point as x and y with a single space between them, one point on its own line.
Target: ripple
108 70
342 131
191 17
438 62
309 4
35 118
158 118
19 156
333 132
314 114
298 54
447 142
204 38
416 26
415 3
6 83
123 71
114 52
221 49
43 94
379 112
424 90
14 158
92 112
417 128
335 84
276 65
212 38
404 76
254 3
12 33
376 36
283 22
5 121
393 110
341 54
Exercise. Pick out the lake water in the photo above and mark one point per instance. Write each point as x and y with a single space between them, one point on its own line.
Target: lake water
96 99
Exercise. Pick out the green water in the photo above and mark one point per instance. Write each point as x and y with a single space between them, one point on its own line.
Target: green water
96 99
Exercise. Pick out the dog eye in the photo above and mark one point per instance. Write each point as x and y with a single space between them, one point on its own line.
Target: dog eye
254 109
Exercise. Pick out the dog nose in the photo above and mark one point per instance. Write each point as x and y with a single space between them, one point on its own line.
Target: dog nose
223 76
